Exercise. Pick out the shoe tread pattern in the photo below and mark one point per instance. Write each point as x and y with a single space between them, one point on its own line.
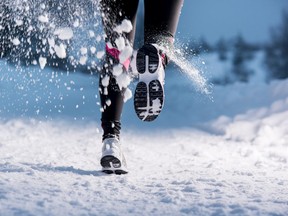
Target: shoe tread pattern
147 93
152 52
116 165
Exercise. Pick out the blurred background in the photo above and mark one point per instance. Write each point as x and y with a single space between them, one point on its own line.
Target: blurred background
242 28
228 41
235 30
226 19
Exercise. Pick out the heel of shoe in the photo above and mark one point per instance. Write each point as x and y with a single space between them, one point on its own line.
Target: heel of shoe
148 100
111 164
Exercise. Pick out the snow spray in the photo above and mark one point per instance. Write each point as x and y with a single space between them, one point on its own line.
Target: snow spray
188 69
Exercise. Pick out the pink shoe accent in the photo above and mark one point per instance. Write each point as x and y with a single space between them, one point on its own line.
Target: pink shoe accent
126 64
114 52
164 59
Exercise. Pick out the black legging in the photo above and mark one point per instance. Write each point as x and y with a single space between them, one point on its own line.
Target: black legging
160 23
160 20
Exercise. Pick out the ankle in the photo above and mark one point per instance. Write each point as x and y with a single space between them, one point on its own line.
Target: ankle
111 129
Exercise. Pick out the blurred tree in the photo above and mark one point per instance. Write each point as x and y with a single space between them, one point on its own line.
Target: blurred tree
222 48
5 45
277 51
243 52
196 47
204 45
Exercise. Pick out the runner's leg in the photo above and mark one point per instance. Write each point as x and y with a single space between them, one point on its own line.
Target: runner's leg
113 13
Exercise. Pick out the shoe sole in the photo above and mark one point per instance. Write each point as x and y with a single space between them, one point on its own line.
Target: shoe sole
111 165
149 92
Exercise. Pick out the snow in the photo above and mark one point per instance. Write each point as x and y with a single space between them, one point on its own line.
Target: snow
124 27
120 43
42 62
51 42
16 41
76 23
83 50
105 81
65 33
117 70
127 95
125 54
100 54
123 80
93 50
188 69
98 38
83 60
226 156
19 22
44 18
60 50
176 172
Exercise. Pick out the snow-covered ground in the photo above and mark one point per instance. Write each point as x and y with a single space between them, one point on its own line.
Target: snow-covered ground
222 156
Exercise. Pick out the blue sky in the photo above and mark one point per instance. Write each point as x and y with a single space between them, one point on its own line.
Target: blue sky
227 18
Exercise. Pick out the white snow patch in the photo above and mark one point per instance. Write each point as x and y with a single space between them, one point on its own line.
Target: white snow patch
83 50
117 70
125 54
100 54
120 43
51 42
60 50
125 27
19 22
30 28
83 60
16 41
123 80
133 64
108 102
98 38
93 50
43 18
42 62
91 33
65 33
76 23
105 81
127 95
42 5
